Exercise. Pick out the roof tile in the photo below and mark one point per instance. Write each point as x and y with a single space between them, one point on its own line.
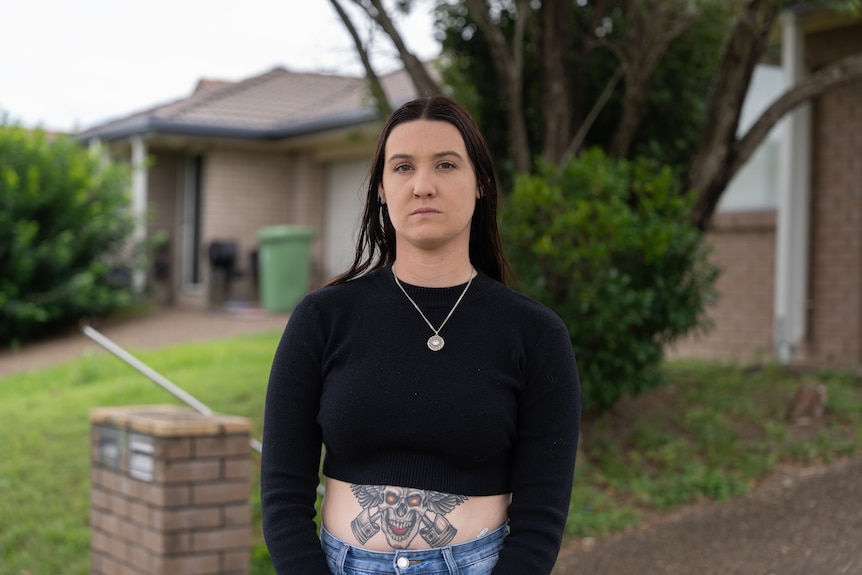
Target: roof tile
275 100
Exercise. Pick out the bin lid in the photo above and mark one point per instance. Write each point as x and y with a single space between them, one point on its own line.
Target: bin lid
285 231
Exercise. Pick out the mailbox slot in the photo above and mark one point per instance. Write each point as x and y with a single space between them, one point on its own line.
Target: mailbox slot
141 457
110 447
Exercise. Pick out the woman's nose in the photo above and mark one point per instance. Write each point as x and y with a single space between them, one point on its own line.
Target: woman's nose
423 184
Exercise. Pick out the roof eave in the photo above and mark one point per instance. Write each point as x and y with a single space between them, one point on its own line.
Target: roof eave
152 125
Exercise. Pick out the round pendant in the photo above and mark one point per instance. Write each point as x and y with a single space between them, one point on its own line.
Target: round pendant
435 343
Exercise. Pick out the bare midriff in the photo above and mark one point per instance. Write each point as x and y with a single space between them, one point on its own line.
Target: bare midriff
386 518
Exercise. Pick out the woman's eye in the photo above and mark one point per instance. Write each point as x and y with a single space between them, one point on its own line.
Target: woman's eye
402 167
446 165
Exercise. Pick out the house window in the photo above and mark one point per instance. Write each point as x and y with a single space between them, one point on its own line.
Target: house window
755 186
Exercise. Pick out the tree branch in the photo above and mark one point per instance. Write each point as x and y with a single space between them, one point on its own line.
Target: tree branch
377 92
422 80
709 168
600 102
556 98
840 73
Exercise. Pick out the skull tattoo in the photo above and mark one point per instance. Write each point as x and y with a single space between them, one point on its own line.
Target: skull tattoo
402 513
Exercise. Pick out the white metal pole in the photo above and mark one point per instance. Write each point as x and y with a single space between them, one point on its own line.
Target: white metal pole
156 377
146 370
139 204
792 221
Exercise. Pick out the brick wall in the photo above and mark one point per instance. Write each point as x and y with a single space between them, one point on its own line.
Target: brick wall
309 207
835 288
246 190
743 245
183 511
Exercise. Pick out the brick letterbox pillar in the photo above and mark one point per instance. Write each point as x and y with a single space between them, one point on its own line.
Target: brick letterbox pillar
169 492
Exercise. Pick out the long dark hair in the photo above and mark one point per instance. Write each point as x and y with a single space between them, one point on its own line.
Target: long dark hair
375 246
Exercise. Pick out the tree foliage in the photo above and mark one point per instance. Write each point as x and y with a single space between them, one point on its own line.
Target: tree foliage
675 107
557 77
572 96
607 244
64 228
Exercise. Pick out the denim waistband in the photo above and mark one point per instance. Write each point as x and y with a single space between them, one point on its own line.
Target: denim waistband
490 542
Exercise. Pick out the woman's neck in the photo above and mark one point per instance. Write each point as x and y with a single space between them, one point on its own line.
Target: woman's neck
433 272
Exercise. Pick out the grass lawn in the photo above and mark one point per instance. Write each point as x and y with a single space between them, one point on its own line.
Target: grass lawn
44 438
712 432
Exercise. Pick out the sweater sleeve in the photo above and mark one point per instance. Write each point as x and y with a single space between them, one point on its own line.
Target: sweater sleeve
290 458
549 411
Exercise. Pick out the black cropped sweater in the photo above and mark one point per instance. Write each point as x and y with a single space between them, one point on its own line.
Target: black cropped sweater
496 411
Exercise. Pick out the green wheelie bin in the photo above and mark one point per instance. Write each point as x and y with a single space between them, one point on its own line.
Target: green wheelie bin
284 265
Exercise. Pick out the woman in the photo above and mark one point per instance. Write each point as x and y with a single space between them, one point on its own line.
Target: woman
448 404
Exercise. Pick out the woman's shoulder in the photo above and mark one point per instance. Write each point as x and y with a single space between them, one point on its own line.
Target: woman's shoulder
342 293
322 306
523 307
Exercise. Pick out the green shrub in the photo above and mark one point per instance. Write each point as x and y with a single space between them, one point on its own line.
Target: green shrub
64 229
606 243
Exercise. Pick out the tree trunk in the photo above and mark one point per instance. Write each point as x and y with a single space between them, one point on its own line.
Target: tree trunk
709 172
556 103
844 71
508 66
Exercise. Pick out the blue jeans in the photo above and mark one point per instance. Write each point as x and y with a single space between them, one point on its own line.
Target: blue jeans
476 557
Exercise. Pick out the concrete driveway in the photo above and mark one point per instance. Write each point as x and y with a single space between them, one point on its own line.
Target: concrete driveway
163 327
799 522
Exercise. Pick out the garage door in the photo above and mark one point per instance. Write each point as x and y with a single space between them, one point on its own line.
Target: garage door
345 185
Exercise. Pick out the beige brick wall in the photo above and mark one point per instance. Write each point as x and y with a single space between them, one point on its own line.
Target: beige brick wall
192 516
246 190
827 46
309 206
743 246
835 317
242 192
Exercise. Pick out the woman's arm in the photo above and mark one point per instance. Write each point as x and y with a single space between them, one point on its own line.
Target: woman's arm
549 410
290 458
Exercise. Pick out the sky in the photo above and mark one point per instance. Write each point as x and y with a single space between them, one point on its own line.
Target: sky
66 65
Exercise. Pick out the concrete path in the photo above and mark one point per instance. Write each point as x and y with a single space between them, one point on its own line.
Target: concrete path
162 328
799 522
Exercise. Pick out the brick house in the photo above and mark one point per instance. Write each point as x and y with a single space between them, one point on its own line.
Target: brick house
291 148
236 157
788 233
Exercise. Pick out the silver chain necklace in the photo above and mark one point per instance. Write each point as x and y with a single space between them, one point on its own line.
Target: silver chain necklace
435 342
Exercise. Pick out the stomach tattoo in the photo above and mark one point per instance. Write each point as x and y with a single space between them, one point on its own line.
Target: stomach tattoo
402 513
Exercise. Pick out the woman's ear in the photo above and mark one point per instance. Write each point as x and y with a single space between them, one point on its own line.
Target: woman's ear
381 194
